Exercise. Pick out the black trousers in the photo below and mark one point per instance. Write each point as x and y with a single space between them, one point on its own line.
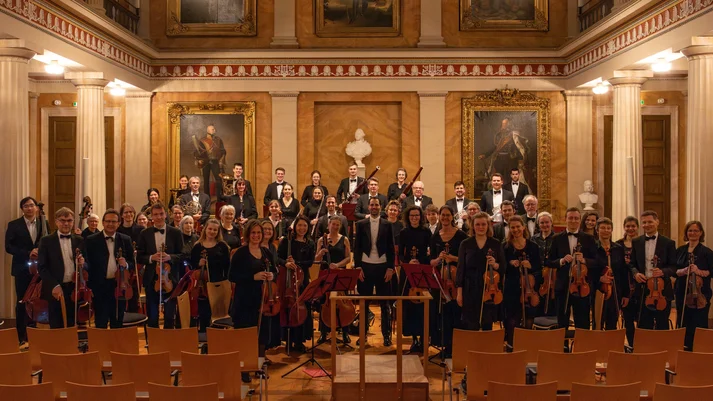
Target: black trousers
54 308
374 279
152 309
212 167
22 281
693 318
580 309
108 312
655 319
610 312
631 316
204 314
474 323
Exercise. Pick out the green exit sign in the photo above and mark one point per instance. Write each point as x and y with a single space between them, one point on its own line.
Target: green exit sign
74 104
642 102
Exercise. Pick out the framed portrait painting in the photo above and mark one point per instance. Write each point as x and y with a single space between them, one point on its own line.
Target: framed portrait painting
504 15
211 17
357 18
503 130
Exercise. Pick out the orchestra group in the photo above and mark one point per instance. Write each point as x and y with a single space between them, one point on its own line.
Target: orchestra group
498 260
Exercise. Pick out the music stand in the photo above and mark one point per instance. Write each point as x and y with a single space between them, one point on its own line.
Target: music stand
422 276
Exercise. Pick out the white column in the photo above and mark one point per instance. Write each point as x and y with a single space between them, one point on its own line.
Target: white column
431 34
579 142
284 25
34 143
432 130
137 151
284 133
626 143
90 139
15 163
699 164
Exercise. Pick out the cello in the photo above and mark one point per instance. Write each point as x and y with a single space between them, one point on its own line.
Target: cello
346 311
655 300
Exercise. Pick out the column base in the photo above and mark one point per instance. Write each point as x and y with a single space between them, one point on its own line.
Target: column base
431 41
284 42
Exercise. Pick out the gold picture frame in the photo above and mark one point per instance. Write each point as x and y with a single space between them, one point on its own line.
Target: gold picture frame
509 16
246 24
214 110
342 19
531 116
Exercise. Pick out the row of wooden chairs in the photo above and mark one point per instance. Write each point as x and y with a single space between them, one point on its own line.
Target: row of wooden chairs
587 392
119 392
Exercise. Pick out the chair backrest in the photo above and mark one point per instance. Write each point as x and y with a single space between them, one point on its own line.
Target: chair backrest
665 392
222 369
184 309
690 368
104 341
503 367
479 341
77 368
219 297
55 341
15 369
221 341
30 392
703 340
648 369
594 392
648 341
205 392
173 341
83 392
532 341
8 341
141 369
522 392
601 341
566 369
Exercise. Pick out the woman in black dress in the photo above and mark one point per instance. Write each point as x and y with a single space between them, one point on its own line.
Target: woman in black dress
307 194
631 311
589 224
446 315
315 208
153 196
216 262
476 253
288 205
243 202
543 239
230 231
397 188
273 336
275 217
189 239
130 228
178 192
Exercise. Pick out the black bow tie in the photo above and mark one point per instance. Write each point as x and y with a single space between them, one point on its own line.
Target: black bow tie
572 234
62 236
460 200
531 219
651 238
109 238
195 194
373 197
354 180
418 199
159 230
496 192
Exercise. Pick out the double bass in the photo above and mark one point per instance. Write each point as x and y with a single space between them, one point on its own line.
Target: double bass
655 300
346 311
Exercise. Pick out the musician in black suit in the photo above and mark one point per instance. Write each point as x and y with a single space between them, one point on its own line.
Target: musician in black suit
148 254
21 241
563 255
103 261
323 222
518 189
350 184
238 174
501 230
418 198
374 257
203 199
56 264
530 215
644 248
491 199
274 189
362 207
458 203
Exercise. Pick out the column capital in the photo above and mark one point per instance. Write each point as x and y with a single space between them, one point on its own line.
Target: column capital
89 78
34 95
284 94
422 94
17 49
701 46
580 92
630 77
138 95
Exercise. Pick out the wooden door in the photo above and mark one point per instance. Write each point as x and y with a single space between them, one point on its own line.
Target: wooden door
656 159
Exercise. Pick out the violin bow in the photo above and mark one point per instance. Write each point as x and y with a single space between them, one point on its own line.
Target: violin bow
76 284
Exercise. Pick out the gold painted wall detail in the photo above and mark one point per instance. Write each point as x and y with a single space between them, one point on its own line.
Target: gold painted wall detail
347 18
189 18
510 15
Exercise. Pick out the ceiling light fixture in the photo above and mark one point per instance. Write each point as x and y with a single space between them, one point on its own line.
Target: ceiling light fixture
116 89
54 68
600 89
661 66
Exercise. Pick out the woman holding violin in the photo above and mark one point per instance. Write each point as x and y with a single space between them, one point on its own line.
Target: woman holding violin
271 296
275 217
543 238
210 261
693 281
613 275
631 311
444 246
228 228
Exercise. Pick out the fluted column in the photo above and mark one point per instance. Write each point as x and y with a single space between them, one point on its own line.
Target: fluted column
626 144
285 21
431 25
137 151
433 143
284 133
579 142
90 179
699 164
14 136
34 143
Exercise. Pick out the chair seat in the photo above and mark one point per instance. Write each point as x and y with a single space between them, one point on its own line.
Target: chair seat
224 322
134 319
545 323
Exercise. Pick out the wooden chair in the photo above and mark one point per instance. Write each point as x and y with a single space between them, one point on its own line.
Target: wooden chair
648 369
83 392
15 369
215 368
601 341
173 341
30 392
104 341
703 340
77 368
565 369
244 341
692 368
56 341
522 392
8 341
219 294
589 392
665 392
533 341
484 367
205 392
468 340
141 369
184 309
648 341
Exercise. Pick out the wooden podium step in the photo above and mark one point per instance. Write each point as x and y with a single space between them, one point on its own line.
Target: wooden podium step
380 378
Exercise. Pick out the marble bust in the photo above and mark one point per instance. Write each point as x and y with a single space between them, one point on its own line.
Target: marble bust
359 148
588 197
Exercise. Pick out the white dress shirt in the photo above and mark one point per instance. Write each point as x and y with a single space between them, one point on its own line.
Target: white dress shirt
531 224
572 241
65 245
459 205
650 251
280 185
160 238
32 228
373 256
417 201
515 186
352 184
497 200
433 227
111 265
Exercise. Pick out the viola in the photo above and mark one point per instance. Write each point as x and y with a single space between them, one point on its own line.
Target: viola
80 277
491 284
271 300
527 284
414 291
290 280
163 270
606 288
549 278
346 311
694 297
578 285
655 300
123 280
200 277
448 273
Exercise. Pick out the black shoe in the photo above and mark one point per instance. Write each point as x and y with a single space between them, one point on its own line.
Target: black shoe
299 347
322 338
387 340
345 337
245 377
414 347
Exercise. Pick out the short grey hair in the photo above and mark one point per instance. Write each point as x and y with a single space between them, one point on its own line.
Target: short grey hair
528 197
92 216
195 177
184 220
226 208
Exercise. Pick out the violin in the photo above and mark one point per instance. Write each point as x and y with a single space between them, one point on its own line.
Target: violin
694 298
549 278
80 277
655 300
123 279
491 284
606 288
290 280
527 284
270 299
578 285
414 291
346 311
163 269
448 273
200 277
632 282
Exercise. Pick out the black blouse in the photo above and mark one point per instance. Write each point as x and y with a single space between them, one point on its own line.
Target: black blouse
232 236
303 254
313 207
307 193
289 212
419 238
703 259
218 260
512 273
394 191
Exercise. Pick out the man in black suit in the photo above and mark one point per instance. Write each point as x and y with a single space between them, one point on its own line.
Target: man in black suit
501 230
350 184
458 203
644 267
57 262
323 222
103 261
274 189
530 216
148 254
418 198
490 200
197 196
518 189
21 240
362 208
238 173
374 257
563 256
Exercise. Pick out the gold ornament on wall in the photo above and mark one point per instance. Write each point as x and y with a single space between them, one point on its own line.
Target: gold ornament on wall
211 18
504 15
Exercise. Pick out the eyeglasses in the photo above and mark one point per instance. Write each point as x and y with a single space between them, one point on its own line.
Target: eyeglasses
66 221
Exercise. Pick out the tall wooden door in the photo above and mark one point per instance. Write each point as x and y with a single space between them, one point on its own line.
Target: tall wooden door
656 160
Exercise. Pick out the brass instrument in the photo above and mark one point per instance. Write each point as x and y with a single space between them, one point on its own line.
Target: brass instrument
228 184
191 208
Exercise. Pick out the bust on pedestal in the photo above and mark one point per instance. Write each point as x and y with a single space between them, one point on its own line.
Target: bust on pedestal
588 197
359 149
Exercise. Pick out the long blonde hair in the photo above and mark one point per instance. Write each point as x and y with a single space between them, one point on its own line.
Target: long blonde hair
218 238
471 224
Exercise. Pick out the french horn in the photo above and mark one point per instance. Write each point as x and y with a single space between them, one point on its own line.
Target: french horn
228 184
